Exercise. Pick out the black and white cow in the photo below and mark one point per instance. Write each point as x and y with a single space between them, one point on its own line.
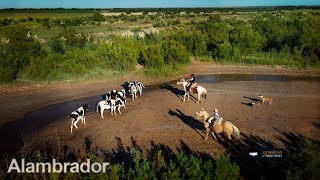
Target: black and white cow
102 105
77 115
122 95
116 105
111 95
131 89
139 86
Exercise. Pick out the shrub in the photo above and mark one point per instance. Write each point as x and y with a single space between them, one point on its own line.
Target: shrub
226 170
175 53
98 17
122 54
17 52
57 46
304 163
72 39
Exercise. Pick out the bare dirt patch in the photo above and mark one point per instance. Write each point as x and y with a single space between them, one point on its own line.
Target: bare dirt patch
160 116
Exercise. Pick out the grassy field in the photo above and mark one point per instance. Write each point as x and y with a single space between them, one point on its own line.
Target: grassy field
158 39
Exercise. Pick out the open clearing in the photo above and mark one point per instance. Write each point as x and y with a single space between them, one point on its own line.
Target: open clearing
160 116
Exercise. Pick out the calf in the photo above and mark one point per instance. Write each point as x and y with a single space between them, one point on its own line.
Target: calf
105 104
139 86
131 89
78 114
117 104
122 95
111 95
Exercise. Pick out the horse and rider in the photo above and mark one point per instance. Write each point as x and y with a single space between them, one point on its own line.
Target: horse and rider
190 86
192 82
217 125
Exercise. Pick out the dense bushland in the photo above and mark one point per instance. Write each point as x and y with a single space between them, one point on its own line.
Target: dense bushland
17 50
135 166
273 39
161 163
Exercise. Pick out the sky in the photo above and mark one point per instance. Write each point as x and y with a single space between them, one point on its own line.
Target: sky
148 3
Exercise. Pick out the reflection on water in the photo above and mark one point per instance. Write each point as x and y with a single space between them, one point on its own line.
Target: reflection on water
252 77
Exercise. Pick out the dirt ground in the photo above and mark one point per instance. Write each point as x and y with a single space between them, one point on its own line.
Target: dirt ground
160 116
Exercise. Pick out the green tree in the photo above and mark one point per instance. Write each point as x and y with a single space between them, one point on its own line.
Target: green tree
98 17
72 39
17 51
225 170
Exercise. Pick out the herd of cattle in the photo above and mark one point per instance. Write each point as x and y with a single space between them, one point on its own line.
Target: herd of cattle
112 100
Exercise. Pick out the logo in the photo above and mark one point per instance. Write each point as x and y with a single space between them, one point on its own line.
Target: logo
268 153
57 167
253 154
272 154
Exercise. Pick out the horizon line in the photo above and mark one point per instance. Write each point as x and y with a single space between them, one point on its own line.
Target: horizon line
211 7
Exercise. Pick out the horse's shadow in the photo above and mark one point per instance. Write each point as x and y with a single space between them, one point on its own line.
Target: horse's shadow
189 120
178 92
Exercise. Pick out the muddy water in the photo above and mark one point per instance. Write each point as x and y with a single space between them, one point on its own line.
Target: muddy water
10 133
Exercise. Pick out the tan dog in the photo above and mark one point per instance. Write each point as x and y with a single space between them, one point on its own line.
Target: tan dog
256 104
265 99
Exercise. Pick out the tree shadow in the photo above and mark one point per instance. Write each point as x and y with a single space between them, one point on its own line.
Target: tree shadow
189 120
317 125
265 168
250 167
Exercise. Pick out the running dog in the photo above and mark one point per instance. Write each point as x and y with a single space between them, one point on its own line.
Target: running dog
256 104
265 99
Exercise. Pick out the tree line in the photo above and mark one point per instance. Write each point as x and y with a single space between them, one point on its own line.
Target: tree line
265 39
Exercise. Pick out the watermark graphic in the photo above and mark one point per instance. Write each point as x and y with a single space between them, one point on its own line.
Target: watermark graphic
253 154
57 167
268 153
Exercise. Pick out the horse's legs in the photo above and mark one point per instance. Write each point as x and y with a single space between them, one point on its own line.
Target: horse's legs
207 130
199 98
229 134
184 97
214 135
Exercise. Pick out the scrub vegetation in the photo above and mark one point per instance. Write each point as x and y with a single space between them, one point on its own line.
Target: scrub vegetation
68 44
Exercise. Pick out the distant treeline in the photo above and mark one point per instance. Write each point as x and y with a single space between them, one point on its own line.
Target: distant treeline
291 39
196 10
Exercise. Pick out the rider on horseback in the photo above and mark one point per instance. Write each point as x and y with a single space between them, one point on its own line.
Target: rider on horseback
215 116
191 82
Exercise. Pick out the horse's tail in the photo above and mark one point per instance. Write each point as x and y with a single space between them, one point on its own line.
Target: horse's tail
235 132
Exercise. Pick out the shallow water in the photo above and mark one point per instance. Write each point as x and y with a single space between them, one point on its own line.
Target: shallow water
10 133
